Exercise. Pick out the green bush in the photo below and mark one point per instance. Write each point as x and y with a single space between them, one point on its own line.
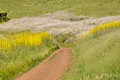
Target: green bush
3 17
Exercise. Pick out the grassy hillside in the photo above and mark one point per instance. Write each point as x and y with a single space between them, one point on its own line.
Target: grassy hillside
96 57
21 8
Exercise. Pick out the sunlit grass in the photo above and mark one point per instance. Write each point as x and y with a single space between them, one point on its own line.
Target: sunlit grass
22 8
96 58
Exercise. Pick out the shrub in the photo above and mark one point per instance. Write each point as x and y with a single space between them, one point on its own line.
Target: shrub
3 17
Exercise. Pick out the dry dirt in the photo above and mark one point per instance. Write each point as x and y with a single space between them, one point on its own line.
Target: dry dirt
50 69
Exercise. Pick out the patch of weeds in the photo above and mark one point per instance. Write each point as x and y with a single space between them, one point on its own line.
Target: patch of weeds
63 37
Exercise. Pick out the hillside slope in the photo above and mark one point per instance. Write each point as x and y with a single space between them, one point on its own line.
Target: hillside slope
96 58
22 8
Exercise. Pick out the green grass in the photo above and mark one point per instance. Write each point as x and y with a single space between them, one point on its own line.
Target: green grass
96 57
20 59
22 8
64 39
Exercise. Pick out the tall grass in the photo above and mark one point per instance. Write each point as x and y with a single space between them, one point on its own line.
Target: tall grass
96 58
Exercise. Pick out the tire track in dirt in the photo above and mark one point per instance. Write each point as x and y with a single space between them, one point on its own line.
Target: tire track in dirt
52 68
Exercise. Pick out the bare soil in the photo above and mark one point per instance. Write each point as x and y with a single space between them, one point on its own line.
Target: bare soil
52 68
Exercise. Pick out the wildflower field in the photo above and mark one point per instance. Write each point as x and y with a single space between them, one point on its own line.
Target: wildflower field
101 29
19 51
23 39
104 27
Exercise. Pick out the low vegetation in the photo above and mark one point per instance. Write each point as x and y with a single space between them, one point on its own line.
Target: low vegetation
21 51
22 8
22 39
97 56
65 39
103 27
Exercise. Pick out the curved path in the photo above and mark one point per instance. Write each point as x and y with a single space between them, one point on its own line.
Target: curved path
50 69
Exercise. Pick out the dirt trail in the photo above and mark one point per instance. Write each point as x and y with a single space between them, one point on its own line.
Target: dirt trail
50 69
